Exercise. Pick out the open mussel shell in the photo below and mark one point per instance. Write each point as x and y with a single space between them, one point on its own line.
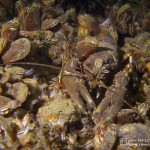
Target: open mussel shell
86 47
18 50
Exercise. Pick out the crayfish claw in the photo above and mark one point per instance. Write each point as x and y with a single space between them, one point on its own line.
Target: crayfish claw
87 97
78 102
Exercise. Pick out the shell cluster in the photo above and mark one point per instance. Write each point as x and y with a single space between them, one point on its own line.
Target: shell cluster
74 74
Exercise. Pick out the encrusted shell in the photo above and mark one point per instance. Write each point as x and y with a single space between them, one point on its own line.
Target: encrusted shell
86 47
60 111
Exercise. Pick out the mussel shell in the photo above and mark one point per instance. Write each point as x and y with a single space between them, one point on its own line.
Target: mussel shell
51 12
83 32
32 21
4 101
86 47
48 3
86 20
10 30
18 50
89 22
19 91
49 23
9 33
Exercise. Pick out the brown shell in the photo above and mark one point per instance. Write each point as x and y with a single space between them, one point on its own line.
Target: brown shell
19 91
5 104
32 19
49 24
4 77
86 47
4 101
15 72
18 50
38 35
89 22
32 83
48 3
86 20
83 32
10 30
